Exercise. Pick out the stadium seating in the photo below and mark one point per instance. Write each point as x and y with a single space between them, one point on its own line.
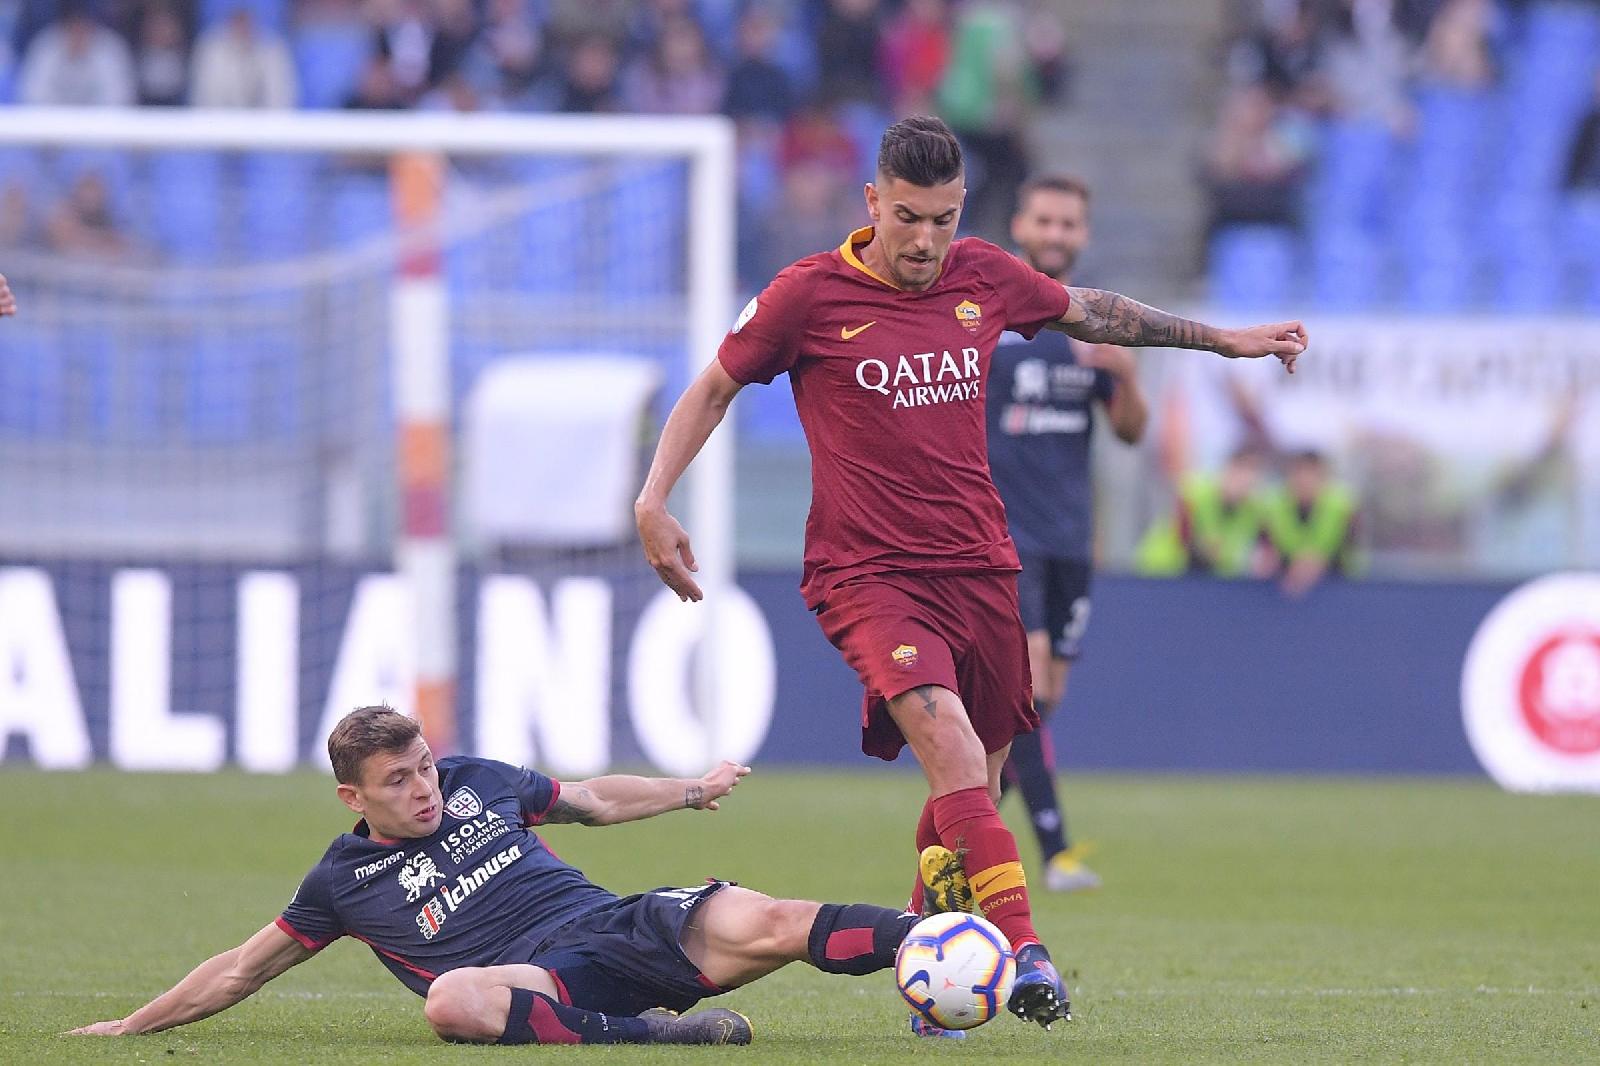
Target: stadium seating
1471 206
1253 266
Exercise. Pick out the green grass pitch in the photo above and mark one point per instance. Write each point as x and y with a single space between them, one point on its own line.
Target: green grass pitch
1243 920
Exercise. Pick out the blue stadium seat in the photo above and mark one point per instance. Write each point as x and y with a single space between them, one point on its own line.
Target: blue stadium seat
358 205
1352 175
217 380
1348 269
329 58
1581 232
32 384
185 191
553 256
645 256
88 357
1253 266
278 193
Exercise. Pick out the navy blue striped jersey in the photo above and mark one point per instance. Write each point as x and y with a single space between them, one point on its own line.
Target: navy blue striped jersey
460 897
1040 406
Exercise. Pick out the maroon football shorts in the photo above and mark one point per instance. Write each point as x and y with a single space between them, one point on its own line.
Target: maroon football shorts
962 631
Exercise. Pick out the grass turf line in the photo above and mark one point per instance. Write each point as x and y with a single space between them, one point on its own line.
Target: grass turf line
1243 920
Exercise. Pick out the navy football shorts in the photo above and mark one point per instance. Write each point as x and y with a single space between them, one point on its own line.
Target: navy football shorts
626 957
1053 594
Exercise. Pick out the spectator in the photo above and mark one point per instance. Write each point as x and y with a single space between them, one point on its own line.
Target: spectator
1219 525
986 95
17 227
83 225
1311 523
238 63
813 199
508 61
1281 54
571 21
162 60
1256 162
758 88
814 137
76 62
916 47
677 76
1457 49
455 31
455 93
1366 63
1045 37
1583 161
652 18
376 89
404 37
848 42
590 84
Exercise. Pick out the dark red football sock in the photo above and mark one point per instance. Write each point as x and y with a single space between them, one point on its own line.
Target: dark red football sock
971 827
927 836
538 1019
857 938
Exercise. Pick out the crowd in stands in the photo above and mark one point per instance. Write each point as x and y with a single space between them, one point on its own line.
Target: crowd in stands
810 83
1240 523
1422 153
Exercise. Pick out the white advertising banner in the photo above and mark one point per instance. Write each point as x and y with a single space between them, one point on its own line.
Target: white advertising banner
1473 444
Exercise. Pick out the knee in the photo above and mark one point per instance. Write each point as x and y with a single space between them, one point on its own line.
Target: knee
452 1008
786 928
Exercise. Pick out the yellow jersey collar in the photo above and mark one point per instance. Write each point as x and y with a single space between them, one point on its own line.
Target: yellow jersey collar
848 251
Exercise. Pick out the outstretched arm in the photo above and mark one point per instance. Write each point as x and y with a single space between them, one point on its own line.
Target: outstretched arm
214 985
624 798
1102 317
698 411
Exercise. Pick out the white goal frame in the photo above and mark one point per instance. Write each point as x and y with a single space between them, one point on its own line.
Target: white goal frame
419 355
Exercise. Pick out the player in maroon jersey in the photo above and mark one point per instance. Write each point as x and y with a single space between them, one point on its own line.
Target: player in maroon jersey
908 564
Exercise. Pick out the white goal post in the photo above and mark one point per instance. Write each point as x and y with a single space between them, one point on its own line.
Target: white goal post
419 303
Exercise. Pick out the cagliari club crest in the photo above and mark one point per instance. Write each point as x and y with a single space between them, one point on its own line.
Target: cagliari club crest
463 803
969 315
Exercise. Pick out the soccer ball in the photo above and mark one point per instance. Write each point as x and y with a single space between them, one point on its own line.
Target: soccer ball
955 970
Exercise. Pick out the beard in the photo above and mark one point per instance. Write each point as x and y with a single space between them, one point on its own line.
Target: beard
1053 260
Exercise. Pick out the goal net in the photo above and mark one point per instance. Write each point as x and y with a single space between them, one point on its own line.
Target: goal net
303 412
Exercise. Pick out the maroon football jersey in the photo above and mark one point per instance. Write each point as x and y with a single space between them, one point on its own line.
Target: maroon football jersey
889 385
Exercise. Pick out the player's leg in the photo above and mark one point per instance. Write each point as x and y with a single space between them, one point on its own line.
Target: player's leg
520 1004
738 936
992 670
1033 759
936 725
1031 768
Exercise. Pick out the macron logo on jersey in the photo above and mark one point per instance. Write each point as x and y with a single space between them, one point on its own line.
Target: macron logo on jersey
923 379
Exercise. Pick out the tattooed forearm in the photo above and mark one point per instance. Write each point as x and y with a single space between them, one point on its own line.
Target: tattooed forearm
694 796
1103 317
930 702
575 805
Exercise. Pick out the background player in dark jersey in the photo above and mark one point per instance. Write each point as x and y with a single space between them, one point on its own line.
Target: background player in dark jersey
887 341
461 900
1041 399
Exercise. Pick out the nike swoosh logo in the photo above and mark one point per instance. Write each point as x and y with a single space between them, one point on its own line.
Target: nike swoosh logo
978 889
845 332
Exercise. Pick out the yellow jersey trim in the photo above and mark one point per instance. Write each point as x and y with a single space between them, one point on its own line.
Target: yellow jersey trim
848 251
